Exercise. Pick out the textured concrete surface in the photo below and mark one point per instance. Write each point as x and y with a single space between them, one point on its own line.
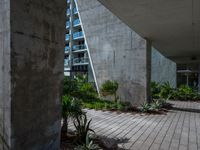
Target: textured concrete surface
116 51
5 86
176 130
173 26
31 61
162 69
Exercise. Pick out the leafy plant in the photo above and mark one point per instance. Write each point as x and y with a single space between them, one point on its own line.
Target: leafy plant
88 89
71 87
110 88
88 145
82 128
145 107
166 90
156 105
155 89
71 107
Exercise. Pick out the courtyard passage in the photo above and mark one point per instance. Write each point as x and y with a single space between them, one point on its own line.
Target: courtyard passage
178 129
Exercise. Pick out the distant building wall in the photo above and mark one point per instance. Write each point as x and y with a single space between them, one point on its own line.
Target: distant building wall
117 53
162 69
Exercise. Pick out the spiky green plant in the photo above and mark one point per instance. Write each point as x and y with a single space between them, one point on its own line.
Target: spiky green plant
88 145
83 129
156 105
145 107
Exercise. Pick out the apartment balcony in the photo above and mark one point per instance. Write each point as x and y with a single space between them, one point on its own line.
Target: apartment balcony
76 22
67 24
67 37
75 11
78 35
66 63
80 61
68 12
67 48
79 47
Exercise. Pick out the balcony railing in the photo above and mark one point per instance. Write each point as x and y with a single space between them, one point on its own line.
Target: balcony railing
67 24
67 48
66 62
75 10
68 12
76 22
78 35
79 61
79 47
67 37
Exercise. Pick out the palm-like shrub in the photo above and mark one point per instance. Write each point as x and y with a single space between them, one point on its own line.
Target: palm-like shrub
166 91
71 107
155 89
110 88
184 92
70 87
87 91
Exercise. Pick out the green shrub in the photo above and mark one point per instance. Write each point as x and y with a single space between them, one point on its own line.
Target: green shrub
166 91
156 105
145 107
110 88
88 145
186 93
70 87
155 90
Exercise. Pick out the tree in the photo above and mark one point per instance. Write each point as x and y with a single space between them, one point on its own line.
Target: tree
110 88
71 107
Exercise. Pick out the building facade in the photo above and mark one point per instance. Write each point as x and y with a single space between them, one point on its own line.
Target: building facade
76 59
113 51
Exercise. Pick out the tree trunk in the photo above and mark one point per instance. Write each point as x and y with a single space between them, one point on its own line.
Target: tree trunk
65 125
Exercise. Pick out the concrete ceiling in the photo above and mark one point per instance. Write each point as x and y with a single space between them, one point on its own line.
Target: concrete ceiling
172 25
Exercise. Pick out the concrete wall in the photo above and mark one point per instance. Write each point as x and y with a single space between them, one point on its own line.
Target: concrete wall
33 47
116 51
5 85
162 69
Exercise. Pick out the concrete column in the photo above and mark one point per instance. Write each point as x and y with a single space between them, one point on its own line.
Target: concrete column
199 79
71 31
148 69
31 73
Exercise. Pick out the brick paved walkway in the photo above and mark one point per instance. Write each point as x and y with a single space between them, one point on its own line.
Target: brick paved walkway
179 129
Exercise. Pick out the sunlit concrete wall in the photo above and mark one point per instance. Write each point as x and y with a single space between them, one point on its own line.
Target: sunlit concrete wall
116 51
162 69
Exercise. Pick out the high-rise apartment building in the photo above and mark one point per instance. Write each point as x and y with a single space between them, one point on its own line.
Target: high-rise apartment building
76 52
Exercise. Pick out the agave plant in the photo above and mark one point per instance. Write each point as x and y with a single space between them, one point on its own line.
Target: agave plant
82 126
89 145
156 105
145 107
